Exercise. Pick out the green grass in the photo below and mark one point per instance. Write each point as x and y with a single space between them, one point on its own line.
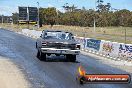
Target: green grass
115 34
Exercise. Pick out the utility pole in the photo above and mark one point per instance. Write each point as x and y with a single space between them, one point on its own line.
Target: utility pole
38 14
57 16
125 35
28 16
94 25
7 20
2 19
122 27
95 20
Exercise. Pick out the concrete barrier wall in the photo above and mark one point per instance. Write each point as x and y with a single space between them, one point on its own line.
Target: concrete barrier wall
106 48
32 33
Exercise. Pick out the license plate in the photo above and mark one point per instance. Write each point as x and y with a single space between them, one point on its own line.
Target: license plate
62 51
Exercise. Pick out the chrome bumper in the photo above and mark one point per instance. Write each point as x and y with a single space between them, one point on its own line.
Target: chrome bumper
60 51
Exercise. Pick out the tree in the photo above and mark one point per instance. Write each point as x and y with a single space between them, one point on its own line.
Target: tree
123 17
15 17
69 8
66 7
83 17
102 7
48 15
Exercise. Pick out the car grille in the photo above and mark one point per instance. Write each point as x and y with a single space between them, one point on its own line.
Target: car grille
60 46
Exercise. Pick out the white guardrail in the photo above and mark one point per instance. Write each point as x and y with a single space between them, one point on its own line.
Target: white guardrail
112 50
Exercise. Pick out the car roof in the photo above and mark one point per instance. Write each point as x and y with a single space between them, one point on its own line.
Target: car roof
51 30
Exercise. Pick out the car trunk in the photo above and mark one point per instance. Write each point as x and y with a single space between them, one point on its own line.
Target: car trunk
59 44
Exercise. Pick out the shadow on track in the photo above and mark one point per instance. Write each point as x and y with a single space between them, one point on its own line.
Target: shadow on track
58 59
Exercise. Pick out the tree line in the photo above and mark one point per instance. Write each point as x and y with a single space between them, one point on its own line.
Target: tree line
103 14
86 17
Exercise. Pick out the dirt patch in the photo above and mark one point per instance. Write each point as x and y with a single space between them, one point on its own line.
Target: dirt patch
11 76
114 34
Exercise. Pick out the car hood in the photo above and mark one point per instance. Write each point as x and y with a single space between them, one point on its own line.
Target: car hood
60 41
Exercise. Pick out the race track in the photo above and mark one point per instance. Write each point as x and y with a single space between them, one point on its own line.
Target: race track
56 72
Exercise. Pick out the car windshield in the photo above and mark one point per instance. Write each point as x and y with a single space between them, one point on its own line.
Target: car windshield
58 35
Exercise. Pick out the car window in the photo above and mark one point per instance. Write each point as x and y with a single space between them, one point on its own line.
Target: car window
58 35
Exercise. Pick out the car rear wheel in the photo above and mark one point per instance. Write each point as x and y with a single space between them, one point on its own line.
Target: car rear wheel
71 58
41 56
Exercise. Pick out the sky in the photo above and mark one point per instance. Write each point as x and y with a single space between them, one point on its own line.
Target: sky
7 7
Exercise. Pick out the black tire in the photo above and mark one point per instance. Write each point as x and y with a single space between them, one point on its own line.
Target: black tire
38 54
67 57
36 44
71 58
41 56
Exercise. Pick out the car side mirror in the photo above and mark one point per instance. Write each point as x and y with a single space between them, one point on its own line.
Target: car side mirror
72 37
41 35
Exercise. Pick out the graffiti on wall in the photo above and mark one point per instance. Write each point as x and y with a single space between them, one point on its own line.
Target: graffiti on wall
107 47
125 51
